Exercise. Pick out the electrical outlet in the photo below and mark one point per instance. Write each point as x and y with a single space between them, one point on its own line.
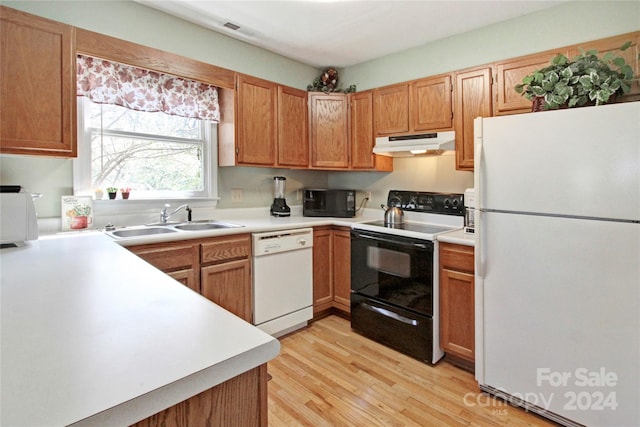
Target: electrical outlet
236 195
299 194
367 195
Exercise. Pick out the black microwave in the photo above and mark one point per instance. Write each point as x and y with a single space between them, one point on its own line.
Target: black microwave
324 202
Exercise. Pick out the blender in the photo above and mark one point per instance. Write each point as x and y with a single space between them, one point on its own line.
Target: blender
279 206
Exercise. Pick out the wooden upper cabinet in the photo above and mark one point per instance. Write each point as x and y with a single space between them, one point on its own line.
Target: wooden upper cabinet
362 139
391 109
256 121
430 103
472 99
293 133
510 73
38 85
329 129
613 44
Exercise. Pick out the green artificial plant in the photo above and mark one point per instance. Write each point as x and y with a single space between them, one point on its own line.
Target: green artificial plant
585 80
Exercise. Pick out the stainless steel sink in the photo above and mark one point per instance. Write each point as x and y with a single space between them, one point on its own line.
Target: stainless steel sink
146 231
153 229
205 225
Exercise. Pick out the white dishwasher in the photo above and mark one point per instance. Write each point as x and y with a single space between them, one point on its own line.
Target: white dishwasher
282 280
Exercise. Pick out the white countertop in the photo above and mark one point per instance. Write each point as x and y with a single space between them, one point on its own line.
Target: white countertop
93 335
458 237
252 224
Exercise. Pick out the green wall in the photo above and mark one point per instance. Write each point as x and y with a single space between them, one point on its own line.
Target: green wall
569 23
137 23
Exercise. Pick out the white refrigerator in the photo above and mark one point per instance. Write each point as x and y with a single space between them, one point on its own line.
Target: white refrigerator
558 263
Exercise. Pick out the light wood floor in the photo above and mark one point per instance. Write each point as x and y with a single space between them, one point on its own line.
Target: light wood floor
327 375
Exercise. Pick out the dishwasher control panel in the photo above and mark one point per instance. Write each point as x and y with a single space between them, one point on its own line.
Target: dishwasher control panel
282 241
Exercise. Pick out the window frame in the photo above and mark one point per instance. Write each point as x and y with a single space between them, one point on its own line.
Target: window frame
82 167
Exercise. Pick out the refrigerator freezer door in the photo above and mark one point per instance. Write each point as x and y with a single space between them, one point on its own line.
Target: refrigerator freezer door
581 161
561 315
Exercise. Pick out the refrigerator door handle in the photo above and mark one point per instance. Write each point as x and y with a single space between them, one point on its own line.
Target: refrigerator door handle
477 183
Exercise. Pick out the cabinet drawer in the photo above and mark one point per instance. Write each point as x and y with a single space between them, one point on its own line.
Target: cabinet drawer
457 257
226 248
168 256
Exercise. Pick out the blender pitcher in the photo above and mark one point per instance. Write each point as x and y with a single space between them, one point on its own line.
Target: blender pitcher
279 206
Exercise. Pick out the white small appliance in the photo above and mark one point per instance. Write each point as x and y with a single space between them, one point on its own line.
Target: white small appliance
18 218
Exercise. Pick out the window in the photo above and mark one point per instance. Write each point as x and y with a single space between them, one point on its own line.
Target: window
154 133
156 154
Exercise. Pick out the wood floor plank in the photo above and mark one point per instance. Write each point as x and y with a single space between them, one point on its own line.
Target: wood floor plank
329 376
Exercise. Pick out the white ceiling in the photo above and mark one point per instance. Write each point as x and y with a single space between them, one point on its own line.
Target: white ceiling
342 33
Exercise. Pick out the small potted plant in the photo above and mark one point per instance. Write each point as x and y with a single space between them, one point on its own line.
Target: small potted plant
98 193
112 191
125 192
585 80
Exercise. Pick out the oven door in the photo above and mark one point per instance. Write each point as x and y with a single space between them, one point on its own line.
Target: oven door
394 270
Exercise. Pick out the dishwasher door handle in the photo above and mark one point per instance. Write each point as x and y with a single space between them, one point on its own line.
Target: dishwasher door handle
390 314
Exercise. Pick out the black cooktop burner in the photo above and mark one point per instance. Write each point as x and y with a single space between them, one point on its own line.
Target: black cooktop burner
412 226
427 202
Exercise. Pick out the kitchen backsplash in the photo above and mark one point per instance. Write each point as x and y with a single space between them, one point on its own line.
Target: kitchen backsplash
53 178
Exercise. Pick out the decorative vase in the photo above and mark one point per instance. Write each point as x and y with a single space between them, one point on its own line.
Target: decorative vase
125 195
112 195
537 104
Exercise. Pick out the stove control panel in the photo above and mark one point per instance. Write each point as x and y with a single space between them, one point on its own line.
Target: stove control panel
419 201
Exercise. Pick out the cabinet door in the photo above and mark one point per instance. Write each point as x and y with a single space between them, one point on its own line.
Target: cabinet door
189 278
391 109
38 86
229 286
342 270
457 313
322 269
293 133
329 127
472 99
256 127
362 140
431 107
510 73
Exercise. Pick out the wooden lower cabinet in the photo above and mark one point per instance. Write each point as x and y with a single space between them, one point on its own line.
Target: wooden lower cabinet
180 260
226 285
457 303
219 268
238 402
189 278
331 270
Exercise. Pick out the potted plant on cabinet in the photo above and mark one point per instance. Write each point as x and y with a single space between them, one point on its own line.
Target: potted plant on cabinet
585 80
112 191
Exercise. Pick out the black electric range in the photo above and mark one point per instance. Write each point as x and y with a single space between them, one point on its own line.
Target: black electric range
394 273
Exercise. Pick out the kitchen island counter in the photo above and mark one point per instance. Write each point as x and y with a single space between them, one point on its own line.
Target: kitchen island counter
93 335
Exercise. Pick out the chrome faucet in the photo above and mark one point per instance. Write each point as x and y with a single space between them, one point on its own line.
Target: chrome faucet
164 216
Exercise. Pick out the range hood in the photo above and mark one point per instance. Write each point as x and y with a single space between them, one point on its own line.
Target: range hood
412 145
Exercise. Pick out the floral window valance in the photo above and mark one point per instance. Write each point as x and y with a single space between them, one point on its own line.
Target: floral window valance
107 82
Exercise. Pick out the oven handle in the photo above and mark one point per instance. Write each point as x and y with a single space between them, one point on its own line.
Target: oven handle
395 242
390 314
